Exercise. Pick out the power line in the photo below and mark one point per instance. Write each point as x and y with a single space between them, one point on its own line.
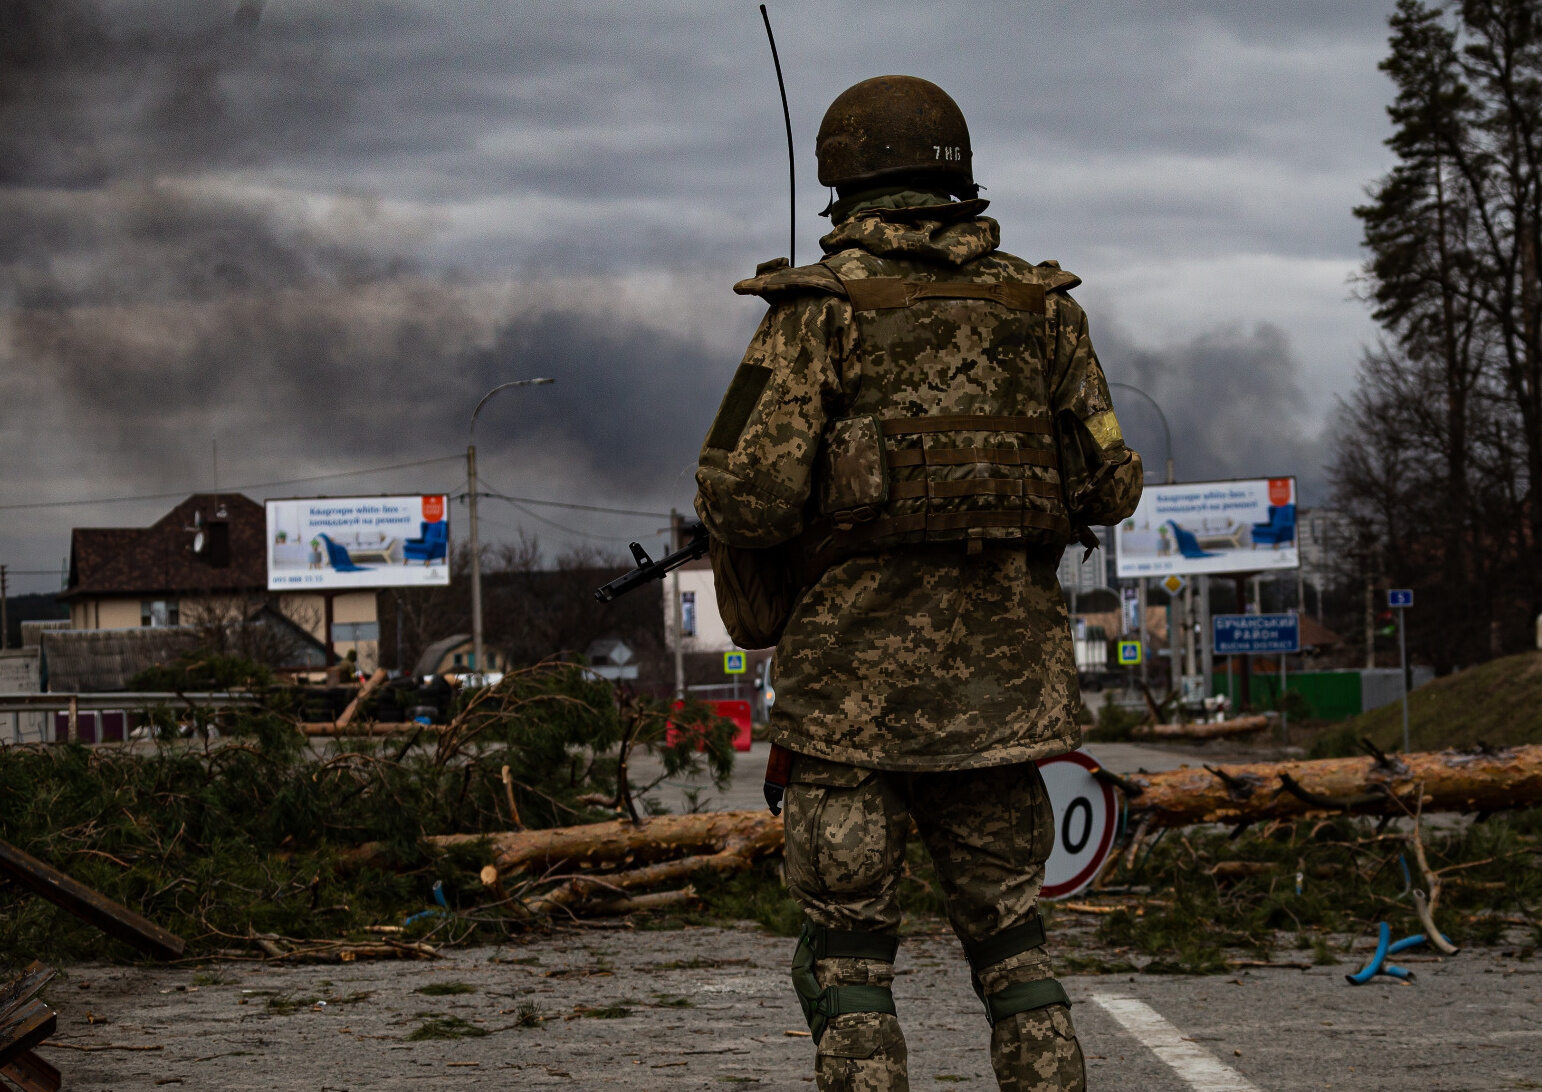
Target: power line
567 530
231 488
519 504
565 504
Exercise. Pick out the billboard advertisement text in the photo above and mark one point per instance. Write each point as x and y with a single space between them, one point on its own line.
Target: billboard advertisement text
1210 527
327 543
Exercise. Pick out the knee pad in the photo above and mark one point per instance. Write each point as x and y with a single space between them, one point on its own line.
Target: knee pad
1019 996
822 1004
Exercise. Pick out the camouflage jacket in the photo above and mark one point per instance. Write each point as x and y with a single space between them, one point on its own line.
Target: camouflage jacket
921 657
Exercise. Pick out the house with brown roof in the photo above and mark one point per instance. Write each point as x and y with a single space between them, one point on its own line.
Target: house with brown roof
203 564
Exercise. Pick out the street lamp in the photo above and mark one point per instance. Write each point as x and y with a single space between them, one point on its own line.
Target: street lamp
471 497
1166 432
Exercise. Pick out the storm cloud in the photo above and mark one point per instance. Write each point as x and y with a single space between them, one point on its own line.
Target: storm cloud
317 232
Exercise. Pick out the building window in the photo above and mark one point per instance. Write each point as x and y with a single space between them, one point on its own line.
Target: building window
158 612
355 631
688 613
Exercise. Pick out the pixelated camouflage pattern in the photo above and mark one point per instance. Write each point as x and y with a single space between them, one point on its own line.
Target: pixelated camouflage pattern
918 658
988 833
956 356
851 476
862 1052
1034 1051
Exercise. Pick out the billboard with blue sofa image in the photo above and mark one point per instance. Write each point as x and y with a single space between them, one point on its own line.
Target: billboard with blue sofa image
1194 528
326 543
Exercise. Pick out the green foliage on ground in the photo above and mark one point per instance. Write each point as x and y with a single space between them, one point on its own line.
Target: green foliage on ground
1114 722
256 831
1498 703
1205 897
1211 894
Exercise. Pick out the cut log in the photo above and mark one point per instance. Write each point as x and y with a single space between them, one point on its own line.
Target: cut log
591 893
369 728
622 842
1386 785
1240 726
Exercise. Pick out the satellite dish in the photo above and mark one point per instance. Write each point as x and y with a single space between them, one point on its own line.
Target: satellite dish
200 539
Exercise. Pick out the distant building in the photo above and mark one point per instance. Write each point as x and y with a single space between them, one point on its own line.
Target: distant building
202 564
1324 536
454 655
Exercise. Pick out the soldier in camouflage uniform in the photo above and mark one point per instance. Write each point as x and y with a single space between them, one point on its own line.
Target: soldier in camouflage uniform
921 422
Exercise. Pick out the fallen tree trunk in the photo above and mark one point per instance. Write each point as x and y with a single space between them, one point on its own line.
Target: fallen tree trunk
1241 726
1382 785
681 846
346 716
620 841
366 728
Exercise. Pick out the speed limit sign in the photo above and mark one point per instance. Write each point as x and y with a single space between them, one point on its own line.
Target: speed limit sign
1086 817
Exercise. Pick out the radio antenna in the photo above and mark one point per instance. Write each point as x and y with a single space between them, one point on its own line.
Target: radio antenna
792 182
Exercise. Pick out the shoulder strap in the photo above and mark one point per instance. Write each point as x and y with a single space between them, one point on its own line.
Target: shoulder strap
776 278
1056 279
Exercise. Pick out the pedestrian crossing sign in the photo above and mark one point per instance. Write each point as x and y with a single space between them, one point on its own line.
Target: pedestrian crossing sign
733 663
1129 653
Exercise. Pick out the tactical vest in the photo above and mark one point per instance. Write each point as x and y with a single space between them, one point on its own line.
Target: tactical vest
949 435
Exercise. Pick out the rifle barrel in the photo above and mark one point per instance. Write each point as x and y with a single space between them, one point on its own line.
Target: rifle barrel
654 570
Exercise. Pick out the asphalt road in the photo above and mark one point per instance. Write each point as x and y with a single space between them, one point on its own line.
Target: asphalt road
704 1008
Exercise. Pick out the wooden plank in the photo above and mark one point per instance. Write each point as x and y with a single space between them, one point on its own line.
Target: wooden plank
88 905
24 1029
20 990
30 1073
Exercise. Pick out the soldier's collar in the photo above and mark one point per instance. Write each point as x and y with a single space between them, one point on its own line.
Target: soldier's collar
899 204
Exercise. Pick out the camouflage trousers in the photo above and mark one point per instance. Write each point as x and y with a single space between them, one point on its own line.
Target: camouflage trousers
989 832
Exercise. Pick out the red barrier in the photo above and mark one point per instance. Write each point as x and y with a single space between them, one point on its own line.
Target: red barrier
736 711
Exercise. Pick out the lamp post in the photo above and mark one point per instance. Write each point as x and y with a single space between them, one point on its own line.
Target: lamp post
1167 434
471 499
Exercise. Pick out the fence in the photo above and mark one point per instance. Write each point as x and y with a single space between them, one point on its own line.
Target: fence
93 718
1332 695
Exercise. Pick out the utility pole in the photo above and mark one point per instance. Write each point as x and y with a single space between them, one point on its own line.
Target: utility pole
5 619
678 608
1370 622
1207 645
477 664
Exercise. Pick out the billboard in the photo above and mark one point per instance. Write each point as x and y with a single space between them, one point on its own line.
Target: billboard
328 543
1240 526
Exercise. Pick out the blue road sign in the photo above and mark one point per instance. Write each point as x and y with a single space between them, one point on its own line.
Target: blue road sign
733 663
1129 653
1250 634
1400 597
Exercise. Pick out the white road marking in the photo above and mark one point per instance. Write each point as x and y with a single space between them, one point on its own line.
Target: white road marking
1191 1062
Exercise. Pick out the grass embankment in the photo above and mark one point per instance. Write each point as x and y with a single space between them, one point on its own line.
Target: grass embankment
1498 703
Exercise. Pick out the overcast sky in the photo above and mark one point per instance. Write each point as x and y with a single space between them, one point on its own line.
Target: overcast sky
315 231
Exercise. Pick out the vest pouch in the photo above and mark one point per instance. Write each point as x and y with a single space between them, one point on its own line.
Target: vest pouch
756 591
852 472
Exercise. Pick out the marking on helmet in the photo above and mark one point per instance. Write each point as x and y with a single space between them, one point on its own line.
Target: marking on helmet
948 153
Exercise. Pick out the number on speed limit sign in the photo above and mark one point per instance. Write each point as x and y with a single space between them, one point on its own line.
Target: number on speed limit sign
1086 817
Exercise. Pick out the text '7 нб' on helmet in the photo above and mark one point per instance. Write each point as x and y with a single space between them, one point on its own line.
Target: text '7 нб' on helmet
891 129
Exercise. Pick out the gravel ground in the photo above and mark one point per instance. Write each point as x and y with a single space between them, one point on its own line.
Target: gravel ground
705 1008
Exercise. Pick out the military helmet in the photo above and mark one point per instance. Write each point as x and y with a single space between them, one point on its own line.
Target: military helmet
894 125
